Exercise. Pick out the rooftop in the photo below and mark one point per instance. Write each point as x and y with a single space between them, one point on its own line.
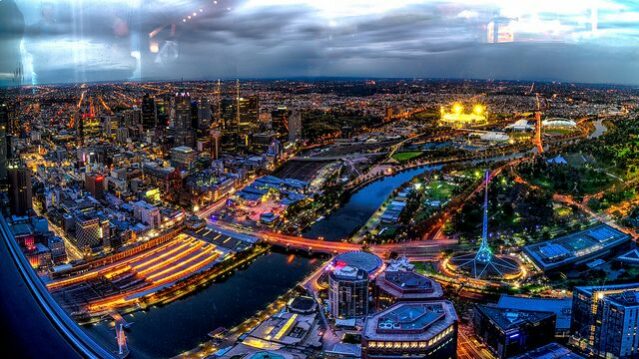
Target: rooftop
414 321
409 285
550 351
508 319
360 259
562 307
575 247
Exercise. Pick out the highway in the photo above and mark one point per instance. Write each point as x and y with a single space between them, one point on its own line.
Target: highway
38 328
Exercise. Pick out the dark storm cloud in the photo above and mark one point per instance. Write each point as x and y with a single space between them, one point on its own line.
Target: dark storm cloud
283 38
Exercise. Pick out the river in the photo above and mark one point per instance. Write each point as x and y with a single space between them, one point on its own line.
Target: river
168 330
344 221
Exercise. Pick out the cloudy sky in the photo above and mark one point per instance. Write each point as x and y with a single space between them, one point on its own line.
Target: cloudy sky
593 41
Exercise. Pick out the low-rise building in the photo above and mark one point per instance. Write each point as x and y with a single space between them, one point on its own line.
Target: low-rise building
416 329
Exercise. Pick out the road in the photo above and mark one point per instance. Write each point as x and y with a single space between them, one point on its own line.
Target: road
468 347
424 250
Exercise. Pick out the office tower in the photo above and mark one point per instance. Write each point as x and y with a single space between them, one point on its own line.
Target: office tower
348 292
249 109
604 320
184 134
4 143
162 114
411 330
279 121
295 126
149 113
509 332
203 114
20 192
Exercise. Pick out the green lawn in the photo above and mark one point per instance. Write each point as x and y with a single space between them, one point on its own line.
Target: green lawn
406 156
439 190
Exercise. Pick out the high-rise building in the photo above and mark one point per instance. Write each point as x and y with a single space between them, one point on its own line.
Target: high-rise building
203 114
411 330
295 126
604 320
249 109
348 292
279 121
184 134
149 113
20 195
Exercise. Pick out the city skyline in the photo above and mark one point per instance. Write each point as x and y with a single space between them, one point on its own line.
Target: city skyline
587 41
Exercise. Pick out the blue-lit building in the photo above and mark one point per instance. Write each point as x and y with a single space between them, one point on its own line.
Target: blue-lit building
605 319
550 351
576 248
509 332
562 307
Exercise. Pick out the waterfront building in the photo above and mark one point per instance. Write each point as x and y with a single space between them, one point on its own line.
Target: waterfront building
509 332
369 262
605 319
348 292
411 330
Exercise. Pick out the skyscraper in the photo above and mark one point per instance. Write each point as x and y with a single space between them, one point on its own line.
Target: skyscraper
20 197
295 126
149 113
604 320
203 114
348 292
184 134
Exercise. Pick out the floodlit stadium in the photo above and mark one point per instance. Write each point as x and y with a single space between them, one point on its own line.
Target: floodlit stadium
458 118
